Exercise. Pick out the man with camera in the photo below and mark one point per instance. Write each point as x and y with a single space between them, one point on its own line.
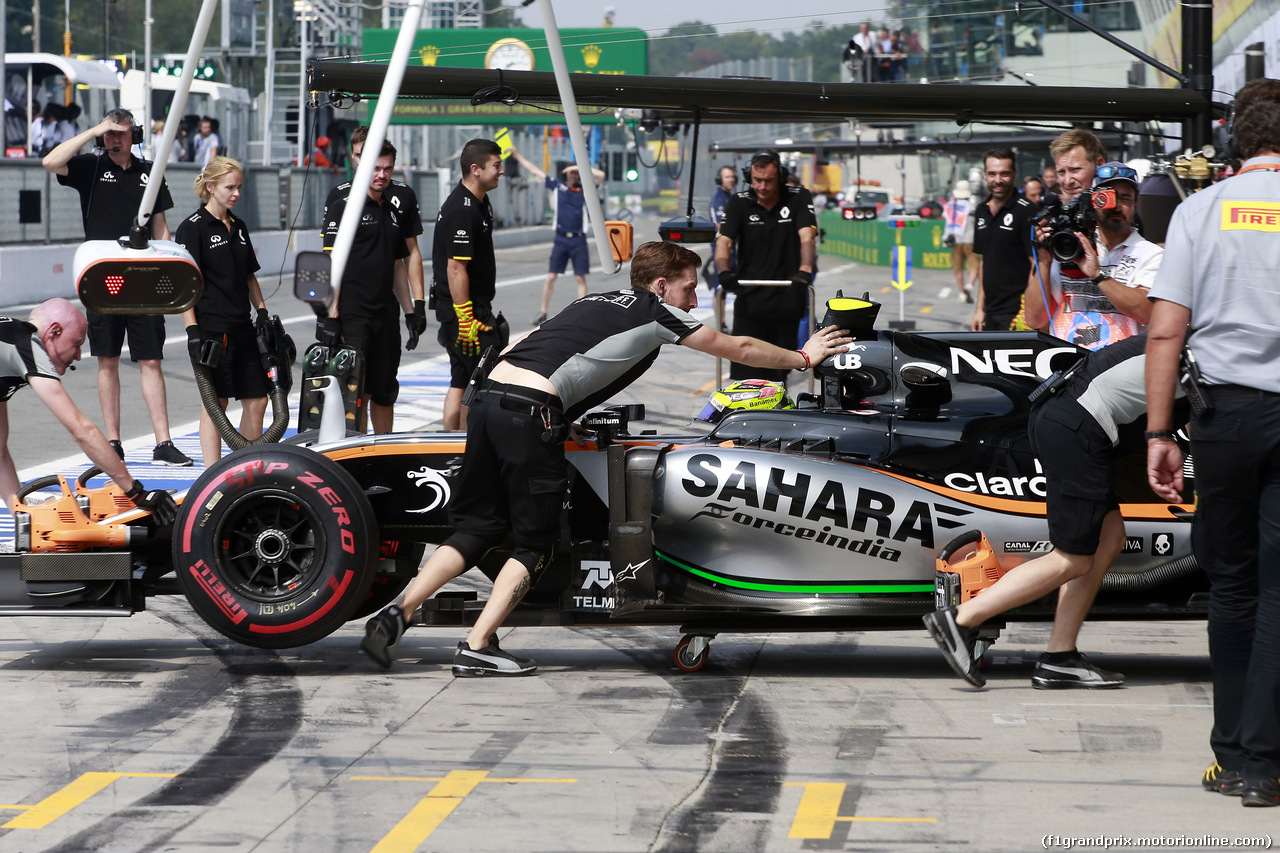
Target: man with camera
111 187
1096 293
1002 242
775 230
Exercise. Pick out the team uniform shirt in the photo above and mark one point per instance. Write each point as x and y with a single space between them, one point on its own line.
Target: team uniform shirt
226 260
110 196
719 199
1084 316
600 344
1111 386
379 243
570 203
1222 254
768 249
405 201
1003 239
22 356
464 232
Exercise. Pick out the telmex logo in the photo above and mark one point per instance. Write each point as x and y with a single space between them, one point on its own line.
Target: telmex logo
1009 362
1250 216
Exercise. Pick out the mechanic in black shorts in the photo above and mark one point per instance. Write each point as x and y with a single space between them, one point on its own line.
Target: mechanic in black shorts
405 201
464 273
220 245
774 228
1076 435
111 187
37 353
374 289
514 474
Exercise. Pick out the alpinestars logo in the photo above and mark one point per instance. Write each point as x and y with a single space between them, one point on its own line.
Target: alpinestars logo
824 512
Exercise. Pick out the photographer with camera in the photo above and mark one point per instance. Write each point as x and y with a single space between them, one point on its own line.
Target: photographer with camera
111 186
1002 242
1097 293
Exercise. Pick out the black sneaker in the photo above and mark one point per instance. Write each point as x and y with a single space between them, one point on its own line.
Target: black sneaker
1228 782
1076 671
1260 792
540 319
166 454
958 644
490 660
382 635
118 448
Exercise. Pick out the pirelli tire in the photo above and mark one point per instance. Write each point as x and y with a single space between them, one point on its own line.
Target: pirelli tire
275 546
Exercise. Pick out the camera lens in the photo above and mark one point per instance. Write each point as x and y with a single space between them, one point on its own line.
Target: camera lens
1065 246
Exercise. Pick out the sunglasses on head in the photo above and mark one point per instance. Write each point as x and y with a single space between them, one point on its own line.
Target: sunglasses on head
1107 173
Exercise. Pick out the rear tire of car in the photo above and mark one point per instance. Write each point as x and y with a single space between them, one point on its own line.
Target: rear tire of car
275 546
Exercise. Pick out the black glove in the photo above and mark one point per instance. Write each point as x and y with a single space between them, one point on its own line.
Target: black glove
728 280
263 319
157 501
329 331
195 340
416 323
802 279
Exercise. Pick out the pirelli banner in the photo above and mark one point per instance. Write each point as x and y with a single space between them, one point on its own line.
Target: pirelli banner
613 50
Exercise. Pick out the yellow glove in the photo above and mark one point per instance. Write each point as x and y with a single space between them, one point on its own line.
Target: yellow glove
469 329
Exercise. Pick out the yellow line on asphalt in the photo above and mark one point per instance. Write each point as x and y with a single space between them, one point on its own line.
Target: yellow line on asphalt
68 797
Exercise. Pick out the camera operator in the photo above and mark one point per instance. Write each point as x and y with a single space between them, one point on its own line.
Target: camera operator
1002 242
1097 293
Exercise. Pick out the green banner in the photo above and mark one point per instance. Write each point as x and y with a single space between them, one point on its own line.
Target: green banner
872 242
612 50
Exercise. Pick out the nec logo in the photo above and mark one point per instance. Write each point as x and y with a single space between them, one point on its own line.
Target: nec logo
1008 362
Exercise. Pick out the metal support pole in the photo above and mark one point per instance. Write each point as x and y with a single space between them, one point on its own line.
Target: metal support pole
1197 65
1255 61
269 106
594 210
148 149
302 90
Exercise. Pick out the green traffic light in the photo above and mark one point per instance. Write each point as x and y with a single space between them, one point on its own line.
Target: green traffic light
633 174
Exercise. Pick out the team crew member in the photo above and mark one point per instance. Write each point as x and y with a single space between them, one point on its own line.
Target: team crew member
111 188
1002 242
775 231
464 272
405 201
571 237
220 245
37 353
514 470
1076 435
1221 257
366 313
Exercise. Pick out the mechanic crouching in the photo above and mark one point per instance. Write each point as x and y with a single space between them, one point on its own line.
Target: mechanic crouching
1076 435
514 473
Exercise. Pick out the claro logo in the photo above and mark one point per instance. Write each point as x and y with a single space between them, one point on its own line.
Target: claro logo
993 484
1008 362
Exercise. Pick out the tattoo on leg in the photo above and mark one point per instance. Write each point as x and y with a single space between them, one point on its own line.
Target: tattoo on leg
519 591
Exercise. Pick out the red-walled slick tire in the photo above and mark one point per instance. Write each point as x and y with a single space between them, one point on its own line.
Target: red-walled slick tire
275 546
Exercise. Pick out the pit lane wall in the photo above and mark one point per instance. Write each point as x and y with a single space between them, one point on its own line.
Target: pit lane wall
872 242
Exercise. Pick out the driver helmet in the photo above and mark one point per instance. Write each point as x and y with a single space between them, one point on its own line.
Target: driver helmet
745 395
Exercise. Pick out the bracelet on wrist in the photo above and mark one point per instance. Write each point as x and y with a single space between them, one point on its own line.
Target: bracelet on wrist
807 363
1159 433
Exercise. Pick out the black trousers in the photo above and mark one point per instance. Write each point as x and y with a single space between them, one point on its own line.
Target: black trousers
1236 537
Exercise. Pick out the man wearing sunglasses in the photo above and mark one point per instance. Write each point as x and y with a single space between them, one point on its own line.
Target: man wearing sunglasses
1100 297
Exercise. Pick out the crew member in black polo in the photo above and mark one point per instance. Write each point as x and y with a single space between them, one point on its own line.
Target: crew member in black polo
219 243
111 187
776 235
464 272
1002 242
405 201
372 282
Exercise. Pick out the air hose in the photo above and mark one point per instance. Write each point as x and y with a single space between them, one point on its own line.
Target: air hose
277 352
1152 578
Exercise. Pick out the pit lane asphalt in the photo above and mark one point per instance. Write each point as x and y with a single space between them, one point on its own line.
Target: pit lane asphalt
153 733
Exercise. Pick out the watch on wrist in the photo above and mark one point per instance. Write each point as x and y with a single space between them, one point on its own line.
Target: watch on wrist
1099 278
1159 433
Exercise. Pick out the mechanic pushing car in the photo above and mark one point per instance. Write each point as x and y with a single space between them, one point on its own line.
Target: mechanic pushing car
37 353
1076 435
514 473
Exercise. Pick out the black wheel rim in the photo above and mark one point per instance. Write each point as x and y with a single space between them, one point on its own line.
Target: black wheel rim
269 546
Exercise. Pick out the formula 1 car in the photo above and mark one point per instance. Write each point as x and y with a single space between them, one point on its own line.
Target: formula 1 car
827 516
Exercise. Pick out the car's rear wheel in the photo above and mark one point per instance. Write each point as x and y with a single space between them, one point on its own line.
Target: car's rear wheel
275 546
